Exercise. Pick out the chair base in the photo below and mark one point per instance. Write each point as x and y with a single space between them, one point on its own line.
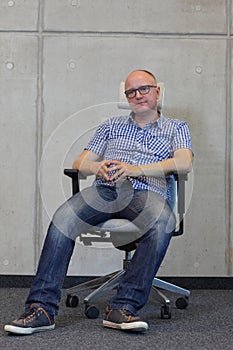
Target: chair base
111 281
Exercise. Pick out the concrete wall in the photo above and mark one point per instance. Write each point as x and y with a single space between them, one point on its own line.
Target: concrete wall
61 62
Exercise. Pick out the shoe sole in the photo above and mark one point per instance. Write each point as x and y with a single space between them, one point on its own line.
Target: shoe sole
133 327
25 331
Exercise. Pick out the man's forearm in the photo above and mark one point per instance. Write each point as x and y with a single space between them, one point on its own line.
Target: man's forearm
86 167
180 163
165 167
92 167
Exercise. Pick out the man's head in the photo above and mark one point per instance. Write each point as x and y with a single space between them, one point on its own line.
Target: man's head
142 92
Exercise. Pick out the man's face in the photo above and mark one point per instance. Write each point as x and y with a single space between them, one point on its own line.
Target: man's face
140 104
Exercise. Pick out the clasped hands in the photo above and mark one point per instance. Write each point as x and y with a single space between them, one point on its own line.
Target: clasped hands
115 170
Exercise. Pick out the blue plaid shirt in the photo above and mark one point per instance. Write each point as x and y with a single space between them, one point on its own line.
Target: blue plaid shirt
121 138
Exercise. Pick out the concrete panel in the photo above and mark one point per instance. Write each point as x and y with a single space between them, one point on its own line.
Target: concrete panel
18 95
19 15
230 15
81 72
229 175
150 16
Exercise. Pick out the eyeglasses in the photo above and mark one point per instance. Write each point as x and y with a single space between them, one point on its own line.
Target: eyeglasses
144 89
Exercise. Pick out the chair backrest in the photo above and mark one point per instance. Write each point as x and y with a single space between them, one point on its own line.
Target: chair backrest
172 189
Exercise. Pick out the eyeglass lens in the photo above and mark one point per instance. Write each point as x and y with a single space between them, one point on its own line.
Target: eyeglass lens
143 90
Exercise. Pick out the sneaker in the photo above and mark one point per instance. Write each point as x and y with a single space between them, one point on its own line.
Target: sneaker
124 320
36 319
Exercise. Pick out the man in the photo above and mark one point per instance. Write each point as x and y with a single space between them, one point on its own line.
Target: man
134 153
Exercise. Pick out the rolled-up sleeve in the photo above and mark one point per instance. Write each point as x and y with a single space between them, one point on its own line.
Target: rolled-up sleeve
98 141
182 137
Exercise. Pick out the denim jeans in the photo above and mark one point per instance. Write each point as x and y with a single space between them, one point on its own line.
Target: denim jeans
148 210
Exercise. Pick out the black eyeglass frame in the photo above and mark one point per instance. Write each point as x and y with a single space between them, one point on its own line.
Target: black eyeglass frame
134 91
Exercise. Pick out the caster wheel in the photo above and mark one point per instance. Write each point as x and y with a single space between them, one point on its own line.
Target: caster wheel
182 303
72 301
166 312
91 311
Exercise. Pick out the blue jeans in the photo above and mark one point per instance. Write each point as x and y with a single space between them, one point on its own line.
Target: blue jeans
148 210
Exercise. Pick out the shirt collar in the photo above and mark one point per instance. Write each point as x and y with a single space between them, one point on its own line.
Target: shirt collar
158 122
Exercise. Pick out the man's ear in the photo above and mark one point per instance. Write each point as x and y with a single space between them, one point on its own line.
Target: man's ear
158 92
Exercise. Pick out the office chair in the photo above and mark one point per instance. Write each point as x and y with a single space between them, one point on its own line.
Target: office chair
124 235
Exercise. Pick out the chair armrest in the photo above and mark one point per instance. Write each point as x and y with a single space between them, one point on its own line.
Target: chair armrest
74 175
180 178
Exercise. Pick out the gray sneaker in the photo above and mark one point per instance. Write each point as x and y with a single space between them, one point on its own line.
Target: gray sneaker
36 319
124 320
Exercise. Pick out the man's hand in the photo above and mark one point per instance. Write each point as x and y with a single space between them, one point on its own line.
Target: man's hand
102 169
118 170
89 163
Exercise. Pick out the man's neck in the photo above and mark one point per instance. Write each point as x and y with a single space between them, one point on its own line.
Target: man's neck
142 119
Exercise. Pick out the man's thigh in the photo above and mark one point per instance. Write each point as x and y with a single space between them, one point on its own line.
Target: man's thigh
147 209
86 208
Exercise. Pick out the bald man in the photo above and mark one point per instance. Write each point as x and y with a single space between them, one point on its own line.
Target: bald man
131 157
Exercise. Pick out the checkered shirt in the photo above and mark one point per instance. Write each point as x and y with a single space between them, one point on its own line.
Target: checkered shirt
121 138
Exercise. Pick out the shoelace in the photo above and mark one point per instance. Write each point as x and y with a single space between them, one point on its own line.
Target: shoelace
29 312
127 313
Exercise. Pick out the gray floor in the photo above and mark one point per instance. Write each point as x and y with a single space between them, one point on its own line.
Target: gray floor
205 324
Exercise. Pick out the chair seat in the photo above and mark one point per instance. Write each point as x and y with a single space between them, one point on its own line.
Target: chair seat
119 225
123 233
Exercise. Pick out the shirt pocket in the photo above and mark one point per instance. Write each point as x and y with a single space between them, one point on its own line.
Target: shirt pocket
159 146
